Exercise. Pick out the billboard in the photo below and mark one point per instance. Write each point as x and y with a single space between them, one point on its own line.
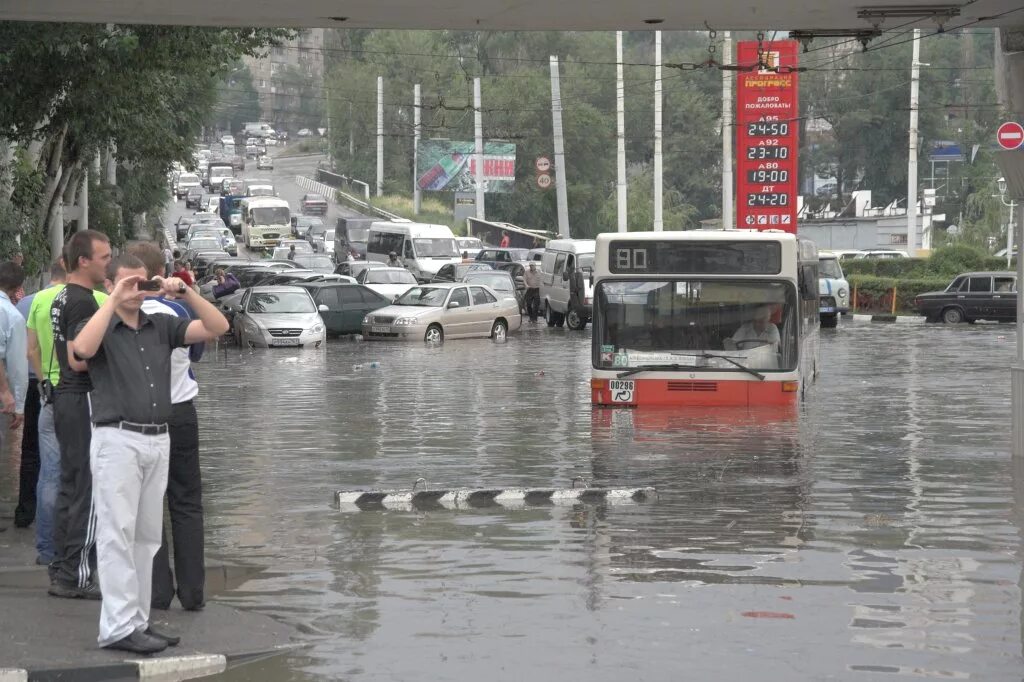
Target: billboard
450 166
767 114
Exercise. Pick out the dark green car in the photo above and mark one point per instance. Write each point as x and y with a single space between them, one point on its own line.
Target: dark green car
347 305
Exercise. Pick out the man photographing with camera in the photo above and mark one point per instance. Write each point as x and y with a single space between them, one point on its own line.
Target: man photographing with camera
129 360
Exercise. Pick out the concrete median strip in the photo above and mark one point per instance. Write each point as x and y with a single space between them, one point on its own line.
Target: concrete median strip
889 319
473 498
180 667
13 675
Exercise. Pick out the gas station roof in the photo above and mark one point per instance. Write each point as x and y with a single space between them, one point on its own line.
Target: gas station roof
814 15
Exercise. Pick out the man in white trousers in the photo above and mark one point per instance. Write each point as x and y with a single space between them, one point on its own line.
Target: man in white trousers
129 360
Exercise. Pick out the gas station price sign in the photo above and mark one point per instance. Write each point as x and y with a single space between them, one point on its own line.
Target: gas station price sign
767 110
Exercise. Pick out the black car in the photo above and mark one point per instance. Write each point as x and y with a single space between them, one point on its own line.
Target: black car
972 296
347 305
194 198
497 257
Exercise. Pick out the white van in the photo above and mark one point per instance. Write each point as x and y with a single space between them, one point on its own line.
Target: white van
422 247
833 289
560 259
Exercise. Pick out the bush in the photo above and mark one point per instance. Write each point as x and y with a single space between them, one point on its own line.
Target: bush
952 260
874 294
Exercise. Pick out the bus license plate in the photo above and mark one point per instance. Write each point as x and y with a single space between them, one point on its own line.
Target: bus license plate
622 391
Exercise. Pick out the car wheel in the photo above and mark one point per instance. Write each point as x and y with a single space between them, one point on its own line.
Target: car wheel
549 315
499 332
829 321
952 316
574 320
434 334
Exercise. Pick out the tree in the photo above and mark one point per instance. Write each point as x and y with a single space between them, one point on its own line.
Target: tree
239 102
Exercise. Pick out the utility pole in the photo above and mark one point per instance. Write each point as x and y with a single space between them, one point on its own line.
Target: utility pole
556 128
417 197
620 112
658 222
380 135
351 135
728 223
915 84
478 131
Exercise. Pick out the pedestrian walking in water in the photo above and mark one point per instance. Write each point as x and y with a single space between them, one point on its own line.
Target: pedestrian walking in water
43 360
129 355
86 257
184 479
531 278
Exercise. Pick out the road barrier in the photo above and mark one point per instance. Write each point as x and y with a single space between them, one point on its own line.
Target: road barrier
311 185
475 498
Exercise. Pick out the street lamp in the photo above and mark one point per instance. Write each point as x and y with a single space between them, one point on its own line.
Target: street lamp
1001 184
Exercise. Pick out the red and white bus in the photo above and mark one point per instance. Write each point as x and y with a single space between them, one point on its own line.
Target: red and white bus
704 318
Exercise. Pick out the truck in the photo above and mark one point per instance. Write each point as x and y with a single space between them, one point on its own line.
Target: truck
265 221
217 172
258 129
231 212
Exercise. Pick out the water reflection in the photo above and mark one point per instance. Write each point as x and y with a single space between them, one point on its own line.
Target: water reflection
870 536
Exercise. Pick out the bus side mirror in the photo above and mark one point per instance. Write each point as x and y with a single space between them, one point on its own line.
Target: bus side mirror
808 281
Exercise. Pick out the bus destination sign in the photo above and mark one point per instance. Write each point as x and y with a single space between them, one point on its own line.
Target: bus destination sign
766 136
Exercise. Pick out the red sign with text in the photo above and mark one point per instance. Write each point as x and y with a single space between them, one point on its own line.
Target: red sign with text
767 113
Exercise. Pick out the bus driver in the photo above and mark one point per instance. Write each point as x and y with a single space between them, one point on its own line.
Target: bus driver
757 332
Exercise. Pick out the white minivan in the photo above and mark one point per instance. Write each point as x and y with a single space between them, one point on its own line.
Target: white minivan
561 258
833 289
423 248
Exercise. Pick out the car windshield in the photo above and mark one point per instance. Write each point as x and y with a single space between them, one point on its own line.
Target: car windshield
204 244
261 191
435 248
429 297
280 302
188 177
699 324
277 215
829 267
314 262
498 281
358 234
390 277
314 199
309 223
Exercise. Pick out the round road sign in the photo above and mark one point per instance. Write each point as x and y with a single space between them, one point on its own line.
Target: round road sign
1010 135
542 164
543 180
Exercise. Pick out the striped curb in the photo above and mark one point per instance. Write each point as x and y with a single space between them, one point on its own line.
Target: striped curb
888 319
475 498
187 667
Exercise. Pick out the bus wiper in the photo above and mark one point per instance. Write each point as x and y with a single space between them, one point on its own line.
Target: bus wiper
652 368
748 370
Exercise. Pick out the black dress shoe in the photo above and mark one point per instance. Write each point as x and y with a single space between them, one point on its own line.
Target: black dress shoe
139 643
172 640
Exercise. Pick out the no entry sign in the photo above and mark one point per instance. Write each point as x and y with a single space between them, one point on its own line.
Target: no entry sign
766 137
1010 135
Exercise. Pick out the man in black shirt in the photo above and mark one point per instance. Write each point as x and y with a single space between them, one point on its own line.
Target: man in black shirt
86 256
129 359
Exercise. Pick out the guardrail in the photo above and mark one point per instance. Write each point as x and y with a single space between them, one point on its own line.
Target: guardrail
342 182
312 185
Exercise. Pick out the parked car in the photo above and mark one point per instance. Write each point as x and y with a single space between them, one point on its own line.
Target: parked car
248 276
194 198
181 226
302 224
184 183
313 204
881 253
388 282
495 257
833 290
434 312
315 262
470 246
280 252
353 268
269 317
265 163
204 244
226 236
454 272
347 305
498 281
304 132
972 296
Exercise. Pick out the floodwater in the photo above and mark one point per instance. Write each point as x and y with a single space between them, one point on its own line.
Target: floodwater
872 537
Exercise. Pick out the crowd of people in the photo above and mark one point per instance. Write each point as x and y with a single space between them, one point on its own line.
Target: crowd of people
96 367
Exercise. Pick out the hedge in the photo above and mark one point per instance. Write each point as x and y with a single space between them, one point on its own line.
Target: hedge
947 262
874 294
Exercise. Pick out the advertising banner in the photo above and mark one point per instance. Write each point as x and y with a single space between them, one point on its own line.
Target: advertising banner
767 112
450 166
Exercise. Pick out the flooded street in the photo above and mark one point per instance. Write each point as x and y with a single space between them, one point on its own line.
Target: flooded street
873 536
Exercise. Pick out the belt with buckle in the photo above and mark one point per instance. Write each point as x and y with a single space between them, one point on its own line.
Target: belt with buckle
144 429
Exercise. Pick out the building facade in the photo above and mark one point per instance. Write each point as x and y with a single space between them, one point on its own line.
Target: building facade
290 82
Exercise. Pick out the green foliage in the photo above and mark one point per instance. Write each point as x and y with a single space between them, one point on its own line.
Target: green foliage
874 294
104 213
238 100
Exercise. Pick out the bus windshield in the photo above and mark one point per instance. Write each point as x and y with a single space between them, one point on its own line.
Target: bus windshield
702 324
277 215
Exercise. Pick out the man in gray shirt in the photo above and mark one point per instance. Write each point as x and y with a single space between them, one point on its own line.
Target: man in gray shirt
129 360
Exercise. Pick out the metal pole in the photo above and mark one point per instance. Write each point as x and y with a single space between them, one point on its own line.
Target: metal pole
1009 237
380 135
556 128
915 83
658 222
478 128
1017 369
417 196
727 131
620 112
